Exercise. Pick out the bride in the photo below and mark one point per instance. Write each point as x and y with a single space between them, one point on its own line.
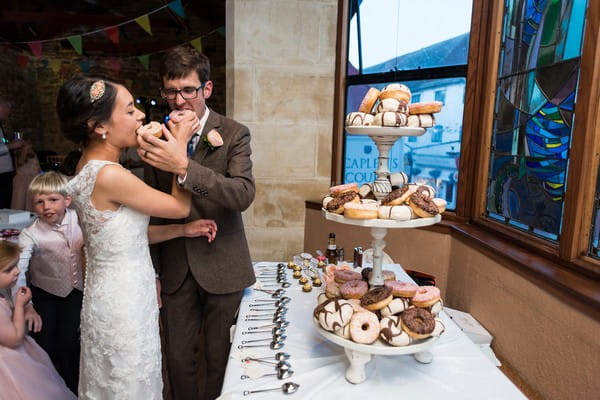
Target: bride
120 344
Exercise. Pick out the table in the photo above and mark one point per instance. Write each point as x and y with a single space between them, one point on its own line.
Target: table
459 370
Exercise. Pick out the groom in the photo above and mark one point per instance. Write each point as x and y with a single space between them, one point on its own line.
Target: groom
202 283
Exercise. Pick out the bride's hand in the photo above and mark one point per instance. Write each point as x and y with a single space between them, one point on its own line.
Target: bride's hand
201 227
169 155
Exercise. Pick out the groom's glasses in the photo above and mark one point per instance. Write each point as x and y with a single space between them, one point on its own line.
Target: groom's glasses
188 92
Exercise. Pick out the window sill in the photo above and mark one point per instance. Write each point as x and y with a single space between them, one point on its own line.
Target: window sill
582 291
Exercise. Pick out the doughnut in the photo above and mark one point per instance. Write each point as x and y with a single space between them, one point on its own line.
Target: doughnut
376 298
321 298
320 308
426 296
361 210
330 271
343 276
337 204
364 327
390 118
439 328
426 190
418 323
366 191
366 272
359 119
440 203
367 103
392 104
398 213
332 289
344 331
339 190
390 330
335 314
420 121
398 179
427 107
387 275
436 307
153 128
397 196
422 206
402 289
396 306
397 91
356 305
354 289
326 201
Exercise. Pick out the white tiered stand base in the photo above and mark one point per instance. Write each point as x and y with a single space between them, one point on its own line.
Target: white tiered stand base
360 354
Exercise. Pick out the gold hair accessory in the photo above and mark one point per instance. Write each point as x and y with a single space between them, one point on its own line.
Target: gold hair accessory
97 90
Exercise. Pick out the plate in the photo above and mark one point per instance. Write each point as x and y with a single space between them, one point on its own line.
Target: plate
384 131
378 347
382 223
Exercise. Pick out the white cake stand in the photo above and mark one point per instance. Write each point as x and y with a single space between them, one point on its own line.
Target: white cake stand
384 138
360 354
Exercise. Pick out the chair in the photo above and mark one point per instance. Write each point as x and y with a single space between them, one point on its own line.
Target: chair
367 257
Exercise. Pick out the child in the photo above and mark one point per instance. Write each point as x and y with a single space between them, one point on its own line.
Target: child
26 372
52 253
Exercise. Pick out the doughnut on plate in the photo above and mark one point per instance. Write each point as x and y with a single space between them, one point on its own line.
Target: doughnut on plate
382 223
379 346
384 131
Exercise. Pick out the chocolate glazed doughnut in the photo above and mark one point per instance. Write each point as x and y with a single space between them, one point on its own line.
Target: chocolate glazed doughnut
395 197
418 322
376 298
337 203
422 206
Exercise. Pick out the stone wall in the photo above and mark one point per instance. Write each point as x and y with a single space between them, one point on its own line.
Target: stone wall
280 75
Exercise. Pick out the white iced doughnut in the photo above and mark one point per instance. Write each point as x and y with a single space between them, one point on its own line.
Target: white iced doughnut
359 119
398 179
344 331
392 104
420 121
396 306
398 213
436 307
439 328
390 118
391 331
335 315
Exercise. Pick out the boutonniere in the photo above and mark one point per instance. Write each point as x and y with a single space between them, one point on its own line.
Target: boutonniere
213 139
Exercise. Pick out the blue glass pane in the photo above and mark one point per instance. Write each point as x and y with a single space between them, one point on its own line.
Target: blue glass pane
386 31
540 32
424 159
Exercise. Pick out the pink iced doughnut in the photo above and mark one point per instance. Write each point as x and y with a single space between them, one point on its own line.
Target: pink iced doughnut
343 276
354 289
332 290
402 289
426 296
364 327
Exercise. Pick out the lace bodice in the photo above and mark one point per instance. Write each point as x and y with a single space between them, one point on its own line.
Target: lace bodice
120 346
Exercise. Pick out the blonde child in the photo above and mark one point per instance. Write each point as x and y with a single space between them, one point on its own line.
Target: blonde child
26 372
52 253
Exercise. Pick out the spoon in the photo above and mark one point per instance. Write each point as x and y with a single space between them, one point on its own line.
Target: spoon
281 324
276 338
281 374
280 357
286 388
274 331
272 345
281 301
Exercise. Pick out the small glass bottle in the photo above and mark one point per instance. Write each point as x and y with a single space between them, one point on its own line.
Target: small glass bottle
331 252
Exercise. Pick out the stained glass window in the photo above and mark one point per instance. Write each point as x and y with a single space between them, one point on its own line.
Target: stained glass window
536 91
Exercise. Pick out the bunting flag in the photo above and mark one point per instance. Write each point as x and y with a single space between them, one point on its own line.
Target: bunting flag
221 31
145 60
113 34
36 49
177 8
197 43
115 64
75 41
55 65
22 60
144 22
85 66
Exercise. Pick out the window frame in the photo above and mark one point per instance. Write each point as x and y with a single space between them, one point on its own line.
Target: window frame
486 28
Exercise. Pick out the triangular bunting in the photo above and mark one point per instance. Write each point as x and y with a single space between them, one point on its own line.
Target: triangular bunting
75 41
177 8
197 43
115 64
36 48
144 22
22 60
55 65
113 34
221 31
145 60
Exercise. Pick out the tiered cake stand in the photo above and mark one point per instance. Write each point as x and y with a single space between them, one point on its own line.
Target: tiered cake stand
359 354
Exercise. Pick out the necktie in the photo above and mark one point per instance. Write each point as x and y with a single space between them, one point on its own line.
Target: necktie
190 145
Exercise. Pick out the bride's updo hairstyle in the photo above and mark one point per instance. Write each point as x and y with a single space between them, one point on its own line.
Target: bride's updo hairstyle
82 104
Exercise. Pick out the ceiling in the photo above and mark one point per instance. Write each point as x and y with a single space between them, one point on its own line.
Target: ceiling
49 21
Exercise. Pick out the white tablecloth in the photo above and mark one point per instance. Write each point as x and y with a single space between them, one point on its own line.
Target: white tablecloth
459 370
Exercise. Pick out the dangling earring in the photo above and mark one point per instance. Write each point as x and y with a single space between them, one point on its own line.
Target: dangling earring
104 136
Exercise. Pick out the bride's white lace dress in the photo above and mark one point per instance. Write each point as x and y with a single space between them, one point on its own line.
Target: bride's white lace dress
120 344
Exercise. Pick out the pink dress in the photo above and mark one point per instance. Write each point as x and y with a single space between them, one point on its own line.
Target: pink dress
26 373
